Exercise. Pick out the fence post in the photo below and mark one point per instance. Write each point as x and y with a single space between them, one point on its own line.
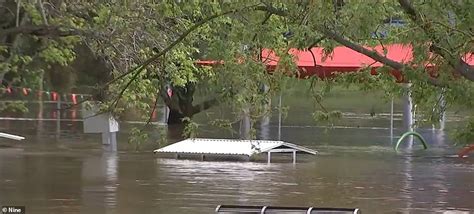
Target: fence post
58 118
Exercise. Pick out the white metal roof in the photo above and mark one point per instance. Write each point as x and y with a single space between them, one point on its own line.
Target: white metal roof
229 147
10 136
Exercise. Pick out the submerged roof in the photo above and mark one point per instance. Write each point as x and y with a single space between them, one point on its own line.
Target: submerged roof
10 136
231 147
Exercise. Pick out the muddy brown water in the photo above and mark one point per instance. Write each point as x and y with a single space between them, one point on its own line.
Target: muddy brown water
356 167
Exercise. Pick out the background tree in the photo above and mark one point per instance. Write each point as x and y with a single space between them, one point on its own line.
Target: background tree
151 46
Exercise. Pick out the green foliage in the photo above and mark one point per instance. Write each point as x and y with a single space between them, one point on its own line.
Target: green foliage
190 130
29 55
137 137
465 135
13 106
329 117
126 34
57 53
224 124
163 140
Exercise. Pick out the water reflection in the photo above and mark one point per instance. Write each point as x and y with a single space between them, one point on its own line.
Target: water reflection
50 179
357 168
207 184
407 171
101 171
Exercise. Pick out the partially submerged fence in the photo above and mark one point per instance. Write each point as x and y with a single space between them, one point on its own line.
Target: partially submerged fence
228 209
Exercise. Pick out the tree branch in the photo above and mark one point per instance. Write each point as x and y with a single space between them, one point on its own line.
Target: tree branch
311 51
317 41
43 13
138 69
155 104
360 49
272 10
354 46
40 30
205 105
267 17
459 65
409 9
153 58
17 18
373 54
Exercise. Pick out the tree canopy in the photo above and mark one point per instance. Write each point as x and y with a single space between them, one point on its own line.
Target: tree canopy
151 46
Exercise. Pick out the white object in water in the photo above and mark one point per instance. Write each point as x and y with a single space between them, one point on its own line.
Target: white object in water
10 136
233 147
103 123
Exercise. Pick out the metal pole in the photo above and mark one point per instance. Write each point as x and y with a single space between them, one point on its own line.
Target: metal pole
109 141
113 141
408 112
391 121
40 105
442 122
279 117
106 140
58 118
269 156
294 156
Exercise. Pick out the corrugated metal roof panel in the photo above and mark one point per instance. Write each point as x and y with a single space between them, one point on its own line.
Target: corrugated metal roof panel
300 148
227 146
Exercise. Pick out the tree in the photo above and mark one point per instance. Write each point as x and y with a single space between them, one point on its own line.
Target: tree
150 46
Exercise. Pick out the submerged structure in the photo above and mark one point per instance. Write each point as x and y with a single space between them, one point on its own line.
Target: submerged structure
210 149
277 209
11 136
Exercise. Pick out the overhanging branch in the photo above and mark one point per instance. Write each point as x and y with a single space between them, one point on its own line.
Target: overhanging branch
361 49
40 30
373 54
155 57
140 68
356 47
459 65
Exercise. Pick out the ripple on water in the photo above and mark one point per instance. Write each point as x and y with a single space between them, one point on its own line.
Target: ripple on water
372 177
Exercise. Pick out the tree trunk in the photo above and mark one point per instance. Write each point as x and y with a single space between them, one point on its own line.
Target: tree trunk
176 124
176 117
177 112
180 103
39 128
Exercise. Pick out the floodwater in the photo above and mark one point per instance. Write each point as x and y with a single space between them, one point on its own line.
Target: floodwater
356 167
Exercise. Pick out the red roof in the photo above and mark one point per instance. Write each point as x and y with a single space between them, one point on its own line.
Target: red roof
342 59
